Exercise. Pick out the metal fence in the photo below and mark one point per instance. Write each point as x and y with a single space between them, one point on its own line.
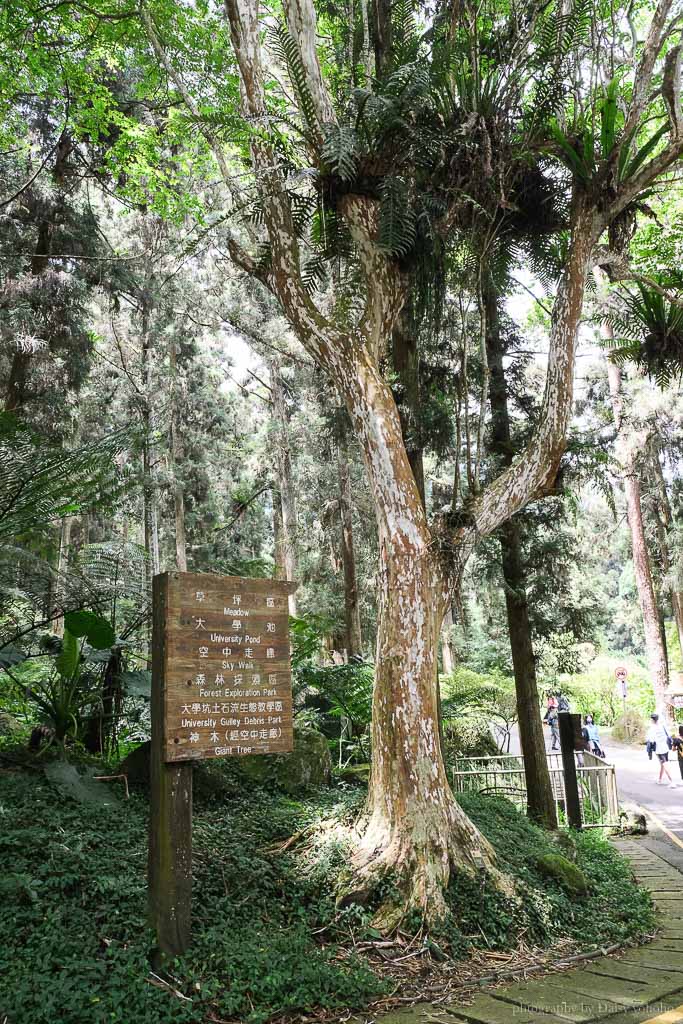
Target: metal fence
504 775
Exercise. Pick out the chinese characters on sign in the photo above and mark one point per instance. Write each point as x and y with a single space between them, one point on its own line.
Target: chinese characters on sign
227 682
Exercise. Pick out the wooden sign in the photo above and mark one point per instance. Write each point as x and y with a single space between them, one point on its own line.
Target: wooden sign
227 683
221 687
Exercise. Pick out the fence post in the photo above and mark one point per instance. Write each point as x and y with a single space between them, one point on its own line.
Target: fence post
571 786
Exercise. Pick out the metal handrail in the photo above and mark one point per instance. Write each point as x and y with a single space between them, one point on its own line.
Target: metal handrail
597 783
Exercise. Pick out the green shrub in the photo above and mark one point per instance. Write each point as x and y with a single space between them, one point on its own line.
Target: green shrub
468 737
629 728
613 910
470 703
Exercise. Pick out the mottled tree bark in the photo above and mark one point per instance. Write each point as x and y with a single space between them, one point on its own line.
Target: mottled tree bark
283 456
664 522
627 448
447 659
406 359
415 828
540 802
351 603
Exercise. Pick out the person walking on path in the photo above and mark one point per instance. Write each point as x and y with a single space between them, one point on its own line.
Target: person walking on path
659 742
678 747
554 723
593 736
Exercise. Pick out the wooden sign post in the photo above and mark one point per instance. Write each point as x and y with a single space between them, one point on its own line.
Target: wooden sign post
571 740
221 687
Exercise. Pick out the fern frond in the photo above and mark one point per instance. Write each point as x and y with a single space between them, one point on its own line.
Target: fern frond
286 49
396 217
339 151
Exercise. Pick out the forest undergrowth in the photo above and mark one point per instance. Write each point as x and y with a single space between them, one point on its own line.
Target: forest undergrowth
269 942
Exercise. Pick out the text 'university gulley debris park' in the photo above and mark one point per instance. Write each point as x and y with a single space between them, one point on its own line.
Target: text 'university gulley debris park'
226 667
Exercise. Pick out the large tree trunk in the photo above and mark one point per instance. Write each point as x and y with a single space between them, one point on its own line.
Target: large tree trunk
285 479
178 494
447 658
627 448
16 385
540 802
664 522
351 603
415 829
278 544
406 359
656 654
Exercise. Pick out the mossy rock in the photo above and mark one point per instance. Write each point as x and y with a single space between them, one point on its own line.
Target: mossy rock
9 725
210 779
570 877
309 766
136 765
566 844
356 774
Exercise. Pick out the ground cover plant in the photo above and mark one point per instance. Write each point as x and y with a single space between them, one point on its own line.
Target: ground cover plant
269 941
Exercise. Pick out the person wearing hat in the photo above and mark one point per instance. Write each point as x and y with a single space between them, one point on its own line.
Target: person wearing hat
659 742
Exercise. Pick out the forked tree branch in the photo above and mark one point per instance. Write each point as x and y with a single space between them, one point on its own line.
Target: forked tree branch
533 474
645 69
630 189
302 26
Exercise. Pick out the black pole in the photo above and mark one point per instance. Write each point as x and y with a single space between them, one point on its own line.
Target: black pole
571 785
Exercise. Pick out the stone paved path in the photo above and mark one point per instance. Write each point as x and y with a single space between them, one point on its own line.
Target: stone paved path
640 986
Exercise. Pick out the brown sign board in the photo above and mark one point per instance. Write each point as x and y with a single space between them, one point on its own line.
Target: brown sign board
224 666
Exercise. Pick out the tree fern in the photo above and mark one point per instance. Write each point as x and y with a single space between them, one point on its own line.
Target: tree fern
41 481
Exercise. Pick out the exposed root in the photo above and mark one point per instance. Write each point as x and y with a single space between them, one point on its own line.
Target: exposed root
405 875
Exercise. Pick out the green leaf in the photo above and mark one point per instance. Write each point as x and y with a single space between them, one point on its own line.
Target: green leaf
644 152
570 158
339 150
67 662
608 118
96 629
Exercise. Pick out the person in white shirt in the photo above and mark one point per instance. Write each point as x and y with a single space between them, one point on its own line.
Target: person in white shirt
658 741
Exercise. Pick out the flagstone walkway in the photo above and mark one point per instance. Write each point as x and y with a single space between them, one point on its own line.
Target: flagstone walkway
639 986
